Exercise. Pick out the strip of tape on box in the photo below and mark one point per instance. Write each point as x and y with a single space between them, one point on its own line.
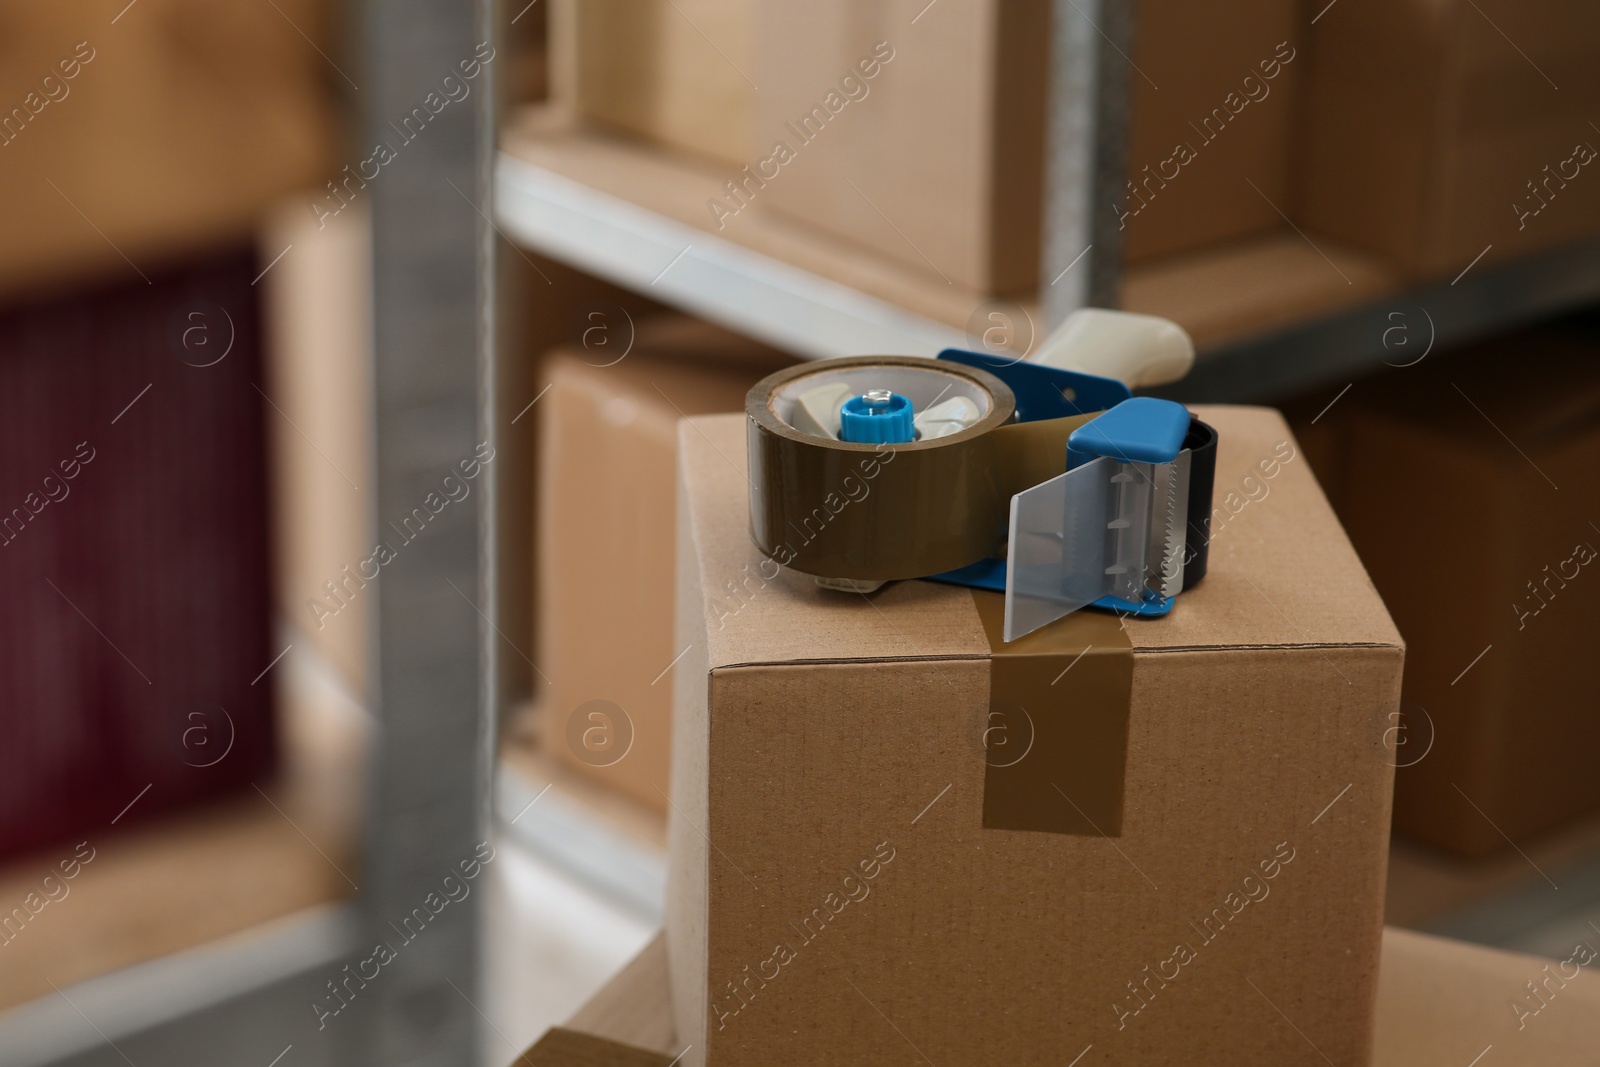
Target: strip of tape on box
1056 736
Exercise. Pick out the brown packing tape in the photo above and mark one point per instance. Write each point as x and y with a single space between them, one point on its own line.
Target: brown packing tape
877 512
560 1047
1056 741
1027 453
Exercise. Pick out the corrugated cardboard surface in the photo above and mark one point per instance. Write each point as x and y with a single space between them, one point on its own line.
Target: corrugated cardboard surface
1455 522
819 733
1427 119
1440 1003
608 453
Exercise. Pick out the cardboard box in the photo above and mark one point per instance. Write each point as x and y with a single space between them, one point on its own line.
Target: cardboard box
1216 101
674 71
607 455
133 136
935 117
1442 1002
857 877
318 305
939 163
1439 1004
922 141
1451 476
1436 129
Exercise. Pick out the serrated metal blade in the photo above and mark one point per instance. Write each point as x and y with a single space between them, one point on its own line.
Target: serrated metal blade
1168 534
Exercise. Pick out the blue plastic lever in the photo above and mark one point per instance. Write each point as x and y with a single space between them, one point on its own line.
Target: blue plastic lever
1143 429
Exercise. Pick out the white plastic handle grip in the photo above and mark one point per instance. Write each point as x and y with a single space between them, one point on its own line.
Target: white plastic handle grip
1138 350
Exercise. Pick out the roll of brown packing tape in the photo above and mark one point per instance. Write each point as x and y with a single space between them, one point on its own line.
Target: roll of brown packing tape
873 512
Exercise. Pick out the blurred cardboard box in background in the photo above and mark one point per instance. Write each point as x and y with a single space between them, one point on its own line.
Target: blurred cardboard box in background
673 71
140 133
1436 129
1214 119
1420 131
1448 478
318 376
607 478
919 131
921 139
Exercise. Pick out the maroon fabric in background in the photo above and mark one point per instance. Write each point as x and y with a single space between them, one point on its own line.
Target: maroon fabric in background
135 605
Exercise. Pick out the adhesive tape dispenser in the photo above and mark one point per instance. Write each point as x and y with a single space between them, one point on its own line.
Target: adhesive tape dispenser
1043 477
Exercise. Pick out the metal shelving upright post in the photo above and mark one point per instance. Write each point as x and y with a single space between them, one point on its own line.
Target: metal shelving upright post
1081 249
435 654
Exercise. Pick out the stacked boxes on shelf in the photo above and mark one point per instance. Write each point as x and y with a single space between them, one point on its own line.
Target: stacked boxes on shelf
919 132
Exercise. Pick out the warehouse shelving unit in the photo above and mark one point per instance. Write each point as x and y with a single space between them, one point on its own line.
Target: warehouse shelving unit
634 216
637 218
1397 329
1272 315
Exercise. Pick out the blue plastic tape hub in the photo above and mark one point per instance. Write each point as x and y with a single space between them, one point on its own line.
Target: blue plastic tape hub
877 417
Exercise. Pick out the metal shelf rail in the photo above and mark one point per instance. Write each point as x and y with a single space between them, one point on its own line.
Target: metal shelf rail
755 294
1397 331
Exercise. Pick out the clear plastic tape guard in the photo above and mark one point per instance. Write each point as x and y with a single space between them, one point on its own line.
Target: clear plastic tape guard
1094 532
